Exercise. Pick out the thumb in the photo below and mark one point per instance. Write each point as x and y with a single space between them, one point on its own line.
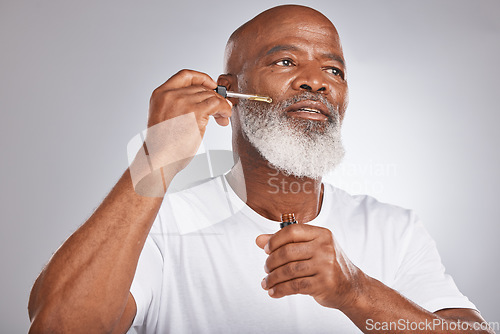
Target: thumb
262 240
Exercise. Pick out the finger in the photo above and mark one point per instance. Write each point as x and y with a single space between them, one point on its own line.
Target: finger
179 98
194 94
262 240
215 105
198 99
289 271
221 120
198 94
298 251
185 78
293 233
303 286
187 96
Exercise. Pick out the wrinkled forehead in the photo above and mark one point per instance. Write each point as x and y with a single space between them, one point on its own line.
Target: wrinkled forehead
292 26
308 35
309 31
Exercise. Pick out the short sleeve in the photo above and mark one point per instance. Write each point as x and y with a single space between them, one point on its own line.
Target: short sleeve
421 275
146 286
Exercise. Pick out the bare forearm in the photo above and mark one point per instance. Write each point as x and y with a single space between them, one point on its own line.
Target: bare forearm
85 287
380 309
87 281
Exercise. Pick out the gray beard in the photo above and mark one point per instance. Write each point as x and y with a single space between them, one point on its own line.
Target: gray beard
297 147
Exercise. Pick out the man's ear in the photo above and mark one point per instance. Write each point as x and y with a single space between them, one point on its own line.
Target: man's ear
228 81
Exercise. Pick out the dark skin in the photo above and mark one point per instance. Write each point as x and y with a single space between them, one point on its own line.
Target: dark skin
305 259
278 66
85 286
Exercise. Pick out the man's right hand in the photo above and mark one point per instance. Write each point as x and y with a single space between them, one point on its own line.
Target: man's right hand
189 92
178 116
85 287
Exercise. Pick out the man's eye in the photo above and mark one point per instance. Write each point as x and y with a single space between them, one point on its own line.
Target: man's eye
334 71
285 62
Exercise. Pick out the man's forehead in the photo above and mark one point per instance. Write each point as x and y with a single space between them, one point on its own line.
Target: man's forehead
282 28
319 41
262 28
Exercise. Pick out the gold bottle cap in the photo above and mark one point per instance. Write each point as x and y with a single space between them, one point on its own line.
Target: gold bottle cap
288 218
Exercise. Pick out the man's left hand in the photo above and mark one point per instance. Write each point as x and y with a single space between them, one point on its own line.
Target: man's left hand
305 259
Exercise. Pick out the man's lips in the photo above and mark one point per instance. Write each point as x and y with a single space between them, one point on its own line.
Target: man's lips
309 109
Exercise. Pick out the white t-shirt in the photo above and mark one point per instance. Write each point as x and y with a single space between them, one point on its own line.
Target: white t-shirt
200 269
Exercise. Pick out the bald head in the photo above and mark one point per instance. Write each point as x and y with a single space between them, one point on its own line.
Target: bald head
293 55
246 41
283 52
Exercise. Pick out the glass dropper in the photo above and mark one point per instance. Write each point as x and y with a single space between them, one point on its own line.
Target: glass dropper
223 91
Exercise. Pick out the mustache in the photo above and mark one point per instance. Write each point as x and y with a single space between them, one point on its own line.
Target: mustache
334 110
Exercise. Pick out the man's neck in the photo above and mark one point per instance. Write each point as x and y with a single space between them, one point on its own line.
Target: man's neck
271 193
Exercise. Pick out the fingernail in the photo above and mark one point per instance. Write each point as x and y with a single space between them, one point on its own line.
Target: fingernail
271 292
230 103
263 283
265 269
266 248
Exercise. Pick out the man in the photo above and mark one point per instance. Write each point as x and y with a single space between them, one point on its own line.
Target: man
187 262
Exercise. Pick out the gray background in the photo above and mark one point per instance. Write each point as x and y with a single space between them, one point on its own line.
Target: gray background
421 130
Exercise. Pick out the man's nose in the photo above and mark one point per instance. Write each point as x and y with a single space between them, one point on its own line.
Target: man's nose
312 80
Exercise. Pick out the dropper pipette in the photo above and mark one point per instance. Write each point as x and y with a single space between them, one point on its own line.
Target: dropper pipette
223 91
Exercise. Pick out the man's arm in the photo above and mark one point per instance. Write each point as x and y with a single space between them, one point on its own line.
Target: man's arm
377 306
305 259
85 286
